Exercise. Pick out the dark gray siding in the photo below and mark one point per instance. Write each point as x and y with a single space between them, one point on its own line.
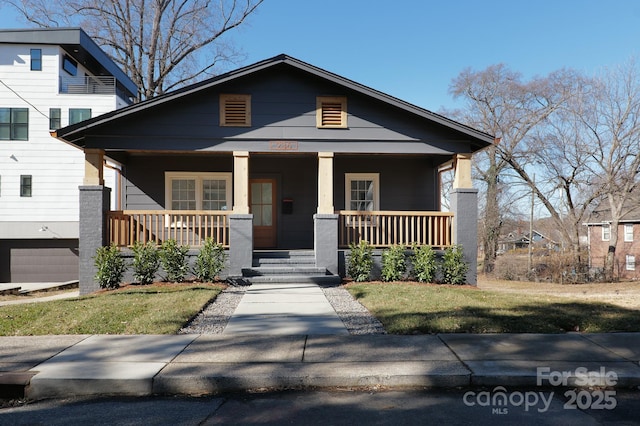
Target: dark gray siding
144 176
406 183
283 106
38 260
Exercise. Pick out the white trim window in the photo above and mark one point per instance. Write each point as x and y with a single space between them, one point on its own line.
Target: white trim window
197 191
628 232
362 191
630 262
606 232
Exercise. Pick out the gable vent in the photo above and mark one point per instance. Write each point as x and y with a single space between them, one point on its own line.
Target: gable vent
235 110
331 112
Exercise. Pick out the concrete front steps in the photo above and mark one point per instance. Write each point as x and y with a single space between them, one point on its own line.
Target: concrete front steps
287 266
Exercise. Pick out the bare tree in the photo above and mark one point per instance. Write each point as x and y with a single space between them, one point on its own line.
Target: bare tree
562 157
160 44
500 103
611 119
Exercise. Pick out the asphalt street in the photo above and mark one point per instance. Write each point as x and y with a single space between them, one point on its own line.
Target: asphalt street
342 407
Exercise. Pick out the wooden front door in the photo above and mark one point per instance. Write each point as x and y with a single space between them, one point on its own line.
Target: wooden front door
263 206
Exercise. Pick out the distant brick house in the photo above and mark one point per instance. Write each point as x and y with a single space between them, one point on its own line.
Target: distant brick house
281 156
627 249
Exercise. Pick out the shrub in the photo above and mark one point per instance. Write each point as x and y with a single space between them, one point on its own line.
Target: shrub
394 264
174 260
454 268
424 264
111 267
146 262
360 261
210 261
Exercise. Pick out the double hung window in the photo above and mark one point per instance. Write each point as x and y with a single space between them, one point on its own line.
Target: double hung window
362 191
198 191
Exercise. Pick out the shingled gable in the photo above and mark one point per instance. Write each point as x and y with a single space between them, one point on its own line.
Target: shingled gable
75 134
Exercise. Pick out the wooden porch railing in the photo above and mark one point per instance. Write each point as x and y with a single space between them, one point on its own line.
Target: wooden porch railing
387 228
187 227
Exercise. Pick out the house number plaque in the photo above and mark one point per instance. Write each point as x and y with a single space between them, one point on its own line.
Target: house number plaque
283 145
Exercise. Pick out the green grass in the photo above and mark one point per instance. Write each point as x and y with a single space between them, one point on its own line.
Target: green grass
408 308
153 309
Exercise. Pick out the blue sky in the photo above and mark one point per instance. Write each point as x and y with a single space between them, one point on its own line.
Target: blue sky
412 49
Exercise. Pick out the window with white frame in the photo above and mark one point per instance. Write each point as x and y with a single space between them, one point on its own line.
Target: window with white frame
197 191
362 191
628 232
606 232
630 262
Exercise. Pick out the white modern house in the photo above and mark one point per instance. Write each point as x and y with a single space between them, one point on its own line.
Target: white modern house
49 78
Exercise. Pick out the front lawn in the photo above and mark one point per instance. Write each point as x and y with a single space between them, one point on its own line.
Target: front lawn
152 309
411 308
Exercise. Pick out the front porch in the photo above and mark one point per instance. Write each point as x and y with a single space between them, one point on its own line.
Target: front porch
331 230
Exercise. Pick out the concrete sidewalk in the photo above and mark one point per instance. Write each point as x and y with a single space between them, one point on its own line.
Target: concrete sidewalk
286 309
66 366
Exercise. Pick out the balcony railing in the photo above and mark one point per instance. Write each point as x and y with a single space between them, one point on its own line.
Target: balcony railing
387 228
186 227
88 85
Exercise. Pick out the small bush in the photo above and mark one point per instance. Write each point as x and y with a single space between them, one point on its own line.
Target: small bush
360 261
454 268
146 262
210 261
394 263
174 260
111 267
424 264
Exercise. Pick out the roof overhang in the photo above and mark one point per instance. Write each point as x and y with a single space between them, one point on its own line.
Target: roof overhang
75 133
77 44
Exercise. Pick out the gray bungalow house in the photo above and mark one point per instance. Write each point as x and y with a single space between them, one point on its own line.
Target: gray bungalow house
276 159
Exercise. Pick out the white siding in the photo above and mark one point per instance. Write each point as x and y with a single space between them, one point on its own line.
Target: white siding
57 169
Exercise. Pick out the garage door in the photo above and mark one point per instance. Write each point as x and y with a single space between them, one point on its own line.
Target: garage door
43 264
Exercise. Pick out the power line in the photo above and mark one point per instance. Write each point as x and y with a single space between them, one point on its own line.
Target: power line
26 101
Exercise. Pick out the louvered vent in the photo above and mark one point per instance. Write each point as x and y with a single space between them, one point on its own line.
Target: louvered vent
332 112
235 110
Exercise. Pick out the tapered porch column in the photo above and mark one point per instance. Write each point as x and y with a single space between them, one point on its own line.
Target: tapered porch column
240 221
464 204
93 167
94 203
325 183
240 182
325 239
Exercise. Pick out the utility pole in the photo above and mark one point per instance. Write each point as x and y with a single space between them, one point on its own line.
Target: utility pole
530 259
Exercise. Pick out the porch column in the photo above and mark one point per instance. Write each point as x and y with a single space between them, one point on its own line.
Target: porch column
462 170
241 182
325 183
325 239
93 167
240 221
464 205
94 204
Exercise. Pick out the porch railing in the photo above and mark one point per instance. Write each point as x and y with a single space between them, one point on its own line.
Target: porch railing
387 228
186 227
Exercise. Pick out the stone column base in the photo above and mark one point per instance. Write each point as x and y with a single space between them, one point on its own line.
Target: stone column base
325 241
240 243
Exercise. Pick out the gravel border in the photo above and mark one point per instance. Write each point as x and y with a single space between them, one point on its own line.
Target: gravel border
215 316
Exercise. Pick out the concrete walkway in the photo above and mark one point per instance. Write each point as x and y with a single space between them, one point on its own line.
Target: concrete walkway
66 366
275 308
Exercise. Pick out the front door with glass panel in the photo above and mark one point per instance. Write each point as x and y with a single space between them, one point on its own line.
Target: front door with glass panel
263 208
